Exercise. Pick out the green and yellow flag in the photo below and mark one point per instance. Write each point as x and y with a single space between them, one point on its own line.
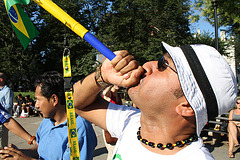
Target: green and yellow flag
20 22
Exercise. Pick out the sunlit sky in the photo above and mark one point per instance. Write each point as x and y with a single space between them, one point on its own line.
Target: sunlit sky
204 26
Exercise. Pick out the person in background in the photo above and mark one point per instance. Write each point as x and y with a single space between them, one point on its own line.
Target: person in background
52 134
111 95
176 96
6 100
17 107
29 105
234 128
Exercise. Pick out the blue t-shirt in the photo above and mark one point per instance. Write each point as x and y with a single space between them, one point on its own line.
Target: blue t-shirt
53 140
6 98
4 115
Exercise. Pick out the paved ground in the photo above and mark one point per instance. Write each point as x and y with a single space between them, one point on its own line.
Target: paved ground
220 151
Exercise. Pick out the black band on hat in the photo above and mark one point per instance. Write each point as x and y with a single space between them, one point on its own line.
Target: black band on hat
202 81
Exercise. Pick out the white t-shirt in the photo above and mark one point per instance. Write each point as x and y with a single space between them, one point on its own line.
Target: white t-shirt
123 122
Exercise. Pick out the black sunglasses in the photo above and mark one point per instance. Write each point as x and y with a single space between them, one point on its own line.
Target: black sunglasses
238 102
162 62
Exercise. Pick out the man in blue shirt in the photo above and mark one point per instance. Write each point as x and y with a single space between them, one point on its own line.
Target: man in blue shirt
52 135
6 100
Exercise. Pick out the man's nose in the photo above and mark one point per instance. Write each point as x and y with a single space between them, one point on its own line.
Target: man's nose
149 67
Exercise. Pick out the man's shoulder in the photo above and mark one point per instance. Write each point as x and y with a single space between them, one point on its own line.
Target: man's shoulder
122 112
196 150
82 122
5 88
45 123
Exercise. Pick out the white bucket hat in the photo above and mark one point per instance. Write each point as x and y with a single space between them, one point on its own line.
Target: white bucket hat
206 79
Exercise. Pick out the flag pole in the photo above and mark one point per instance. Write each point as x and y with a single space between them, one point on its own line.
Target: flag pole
76 27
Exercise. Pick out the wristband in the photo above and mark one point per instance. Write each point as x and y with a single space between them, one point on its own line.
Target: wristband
31 140
98 77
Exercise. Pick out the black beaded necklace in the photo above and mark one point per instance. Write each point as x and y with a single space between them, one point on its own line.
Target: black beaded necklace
170 146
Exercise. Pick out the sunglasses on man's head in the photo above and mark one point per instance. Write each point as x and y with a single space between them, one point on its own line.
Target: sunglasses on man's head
238 102
162 62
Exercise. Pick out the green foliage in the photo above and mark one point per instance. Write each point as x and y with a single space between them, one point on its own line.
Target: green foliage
10 46
45 51
228 12
139 26
79 70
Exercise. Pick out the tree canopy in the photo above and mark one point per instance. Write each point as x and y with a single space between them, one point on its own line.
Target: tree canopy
138 26
46 50
228 14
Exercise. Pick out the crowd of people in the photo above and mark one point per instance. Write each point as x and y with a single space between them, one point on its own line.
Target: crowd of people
173 99
24 107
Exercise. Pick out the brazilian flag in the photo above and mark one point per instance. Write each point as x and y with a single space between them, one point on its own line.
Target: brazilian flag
20 22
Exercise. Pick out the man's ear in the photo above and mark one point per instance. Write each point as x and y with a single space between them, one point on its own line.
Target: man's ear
184 109
54 99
